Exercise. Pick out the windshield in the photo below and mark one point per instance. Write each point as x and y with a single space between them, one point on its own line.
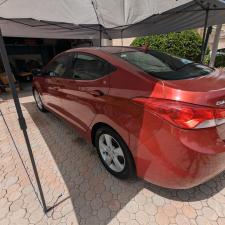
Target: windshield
165 66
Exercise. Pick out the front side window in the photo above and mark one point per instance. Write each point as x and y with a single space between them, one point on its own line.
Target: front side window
89 67
164 66
59 67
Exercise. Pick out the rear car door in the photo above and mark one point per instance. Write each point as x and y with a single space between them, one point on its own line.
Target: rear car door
87 90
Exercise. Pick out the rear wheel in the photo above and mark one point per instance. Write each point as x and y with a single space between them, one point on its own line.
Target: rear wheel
38 100
114 153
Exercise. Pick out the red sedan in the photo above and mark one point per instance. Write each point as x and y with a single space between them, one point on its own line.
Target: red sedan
148 114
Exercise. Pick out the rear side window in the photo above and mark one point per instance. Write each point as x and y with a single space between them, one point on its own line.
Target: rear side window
90 67
165 66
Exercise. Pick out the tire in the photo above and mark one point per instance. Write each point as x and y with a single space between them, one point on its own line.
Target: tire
38 101
122 164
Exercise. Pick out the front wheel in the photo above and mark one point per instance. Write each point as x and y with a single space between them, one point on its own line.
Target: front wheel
114 153
38 101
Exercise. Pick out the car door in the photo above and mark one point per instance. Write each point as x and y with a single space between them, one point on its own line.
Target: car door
53 81
87 90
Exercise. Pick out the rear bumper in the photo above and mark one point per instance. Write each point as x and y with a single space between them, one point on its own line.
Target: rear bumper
175 158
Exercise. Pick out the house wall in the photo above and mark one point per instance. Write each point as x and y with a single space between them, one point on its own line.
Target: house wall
128 41
211 39
125 42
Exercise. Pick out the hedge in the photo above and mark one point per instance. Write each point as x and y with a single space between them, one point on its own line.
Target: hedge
220 61
186 44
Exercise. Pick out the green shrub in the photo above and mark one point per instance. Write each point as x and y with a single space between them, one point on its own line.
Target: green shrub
220 61
186 44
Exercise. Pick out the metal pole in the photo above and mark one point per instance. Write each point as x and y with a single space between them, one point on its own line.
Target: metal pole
215 45
100 36
208 33
204 35
121 37
21 119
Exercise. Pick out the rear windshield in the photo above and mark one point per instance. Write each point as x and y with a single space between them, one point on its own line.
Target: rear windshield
165 66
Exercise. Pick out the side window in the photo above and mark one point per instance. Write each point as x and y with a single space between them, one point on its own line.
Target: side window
89 67
60 66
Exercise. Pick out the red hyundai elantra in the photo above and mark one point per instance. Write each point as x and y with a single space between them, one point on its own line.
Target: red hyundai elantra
149 114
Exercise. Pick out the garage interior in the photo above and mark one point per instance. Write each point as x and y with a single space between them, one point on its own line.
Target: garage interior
26 54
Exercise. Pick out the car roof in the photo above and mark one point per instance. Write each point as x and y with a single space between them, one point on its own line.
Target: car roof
116 49
107 49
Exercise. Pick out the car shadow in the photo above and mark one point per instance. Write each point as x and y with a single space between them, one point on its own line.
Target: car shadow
93 191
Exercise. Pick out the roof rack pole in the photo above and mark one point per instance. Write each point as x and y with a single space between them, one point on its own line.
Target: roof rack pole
204 36
21 119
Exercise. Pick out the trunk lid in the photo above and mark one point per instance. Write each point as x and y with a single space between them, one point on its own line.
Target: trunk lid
208 90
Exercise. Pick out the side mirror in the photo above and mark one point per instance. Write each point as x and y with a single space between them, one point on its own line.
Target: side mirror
51 73
37 72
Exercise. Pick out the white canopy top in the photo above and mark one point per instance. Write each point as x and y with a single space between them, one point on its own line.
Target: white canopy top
72 19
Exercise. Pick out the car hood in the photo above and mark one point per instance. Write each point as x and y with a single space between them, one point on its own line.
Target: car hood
204 90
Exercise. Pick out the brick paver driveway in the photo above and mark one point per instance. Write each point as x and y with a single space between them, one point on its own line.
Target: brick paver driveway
82 191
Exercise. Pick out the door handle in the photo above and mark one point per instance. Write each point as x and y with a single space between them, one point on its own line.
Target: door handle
55 88
96 93
58 87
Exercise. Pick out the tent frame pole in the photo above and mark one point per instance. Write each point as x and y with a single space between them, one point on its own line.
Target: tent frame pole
100 35
215 45
204 36
208 33
21 119
121 36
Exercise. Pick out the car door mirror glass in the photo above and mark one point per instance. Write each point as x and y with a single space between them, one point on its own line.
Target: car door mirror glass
51 73
37 72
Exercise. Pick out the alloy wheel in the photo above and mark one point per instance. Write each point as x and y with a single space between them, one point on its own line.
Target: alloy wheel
38 99
111 153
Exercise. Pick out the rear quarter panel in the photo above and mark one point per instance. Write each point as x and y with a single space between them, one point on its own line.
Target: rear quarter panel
119 110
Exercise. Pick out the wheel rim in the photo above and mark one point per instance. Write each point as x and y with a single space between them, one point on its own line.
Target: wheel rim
38 99
111 153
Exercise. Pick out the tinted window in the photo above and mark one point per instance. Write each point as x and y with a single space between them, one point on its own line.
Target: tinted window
60 66
89 67
164 66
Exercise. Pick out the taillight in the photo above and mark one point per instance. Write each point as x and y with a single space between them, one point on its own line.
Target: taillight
182 114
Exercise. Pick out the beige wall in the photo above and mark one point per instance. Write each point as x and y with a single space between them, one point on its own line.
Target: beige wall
125 42
128 41
211 39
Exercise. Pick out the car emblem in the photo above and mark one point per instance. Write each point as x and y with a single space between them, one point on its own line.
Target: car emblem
220 102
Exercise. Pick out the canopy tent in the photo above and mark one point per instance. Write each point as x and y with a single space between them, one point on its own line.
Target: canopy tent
68 19
74 19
